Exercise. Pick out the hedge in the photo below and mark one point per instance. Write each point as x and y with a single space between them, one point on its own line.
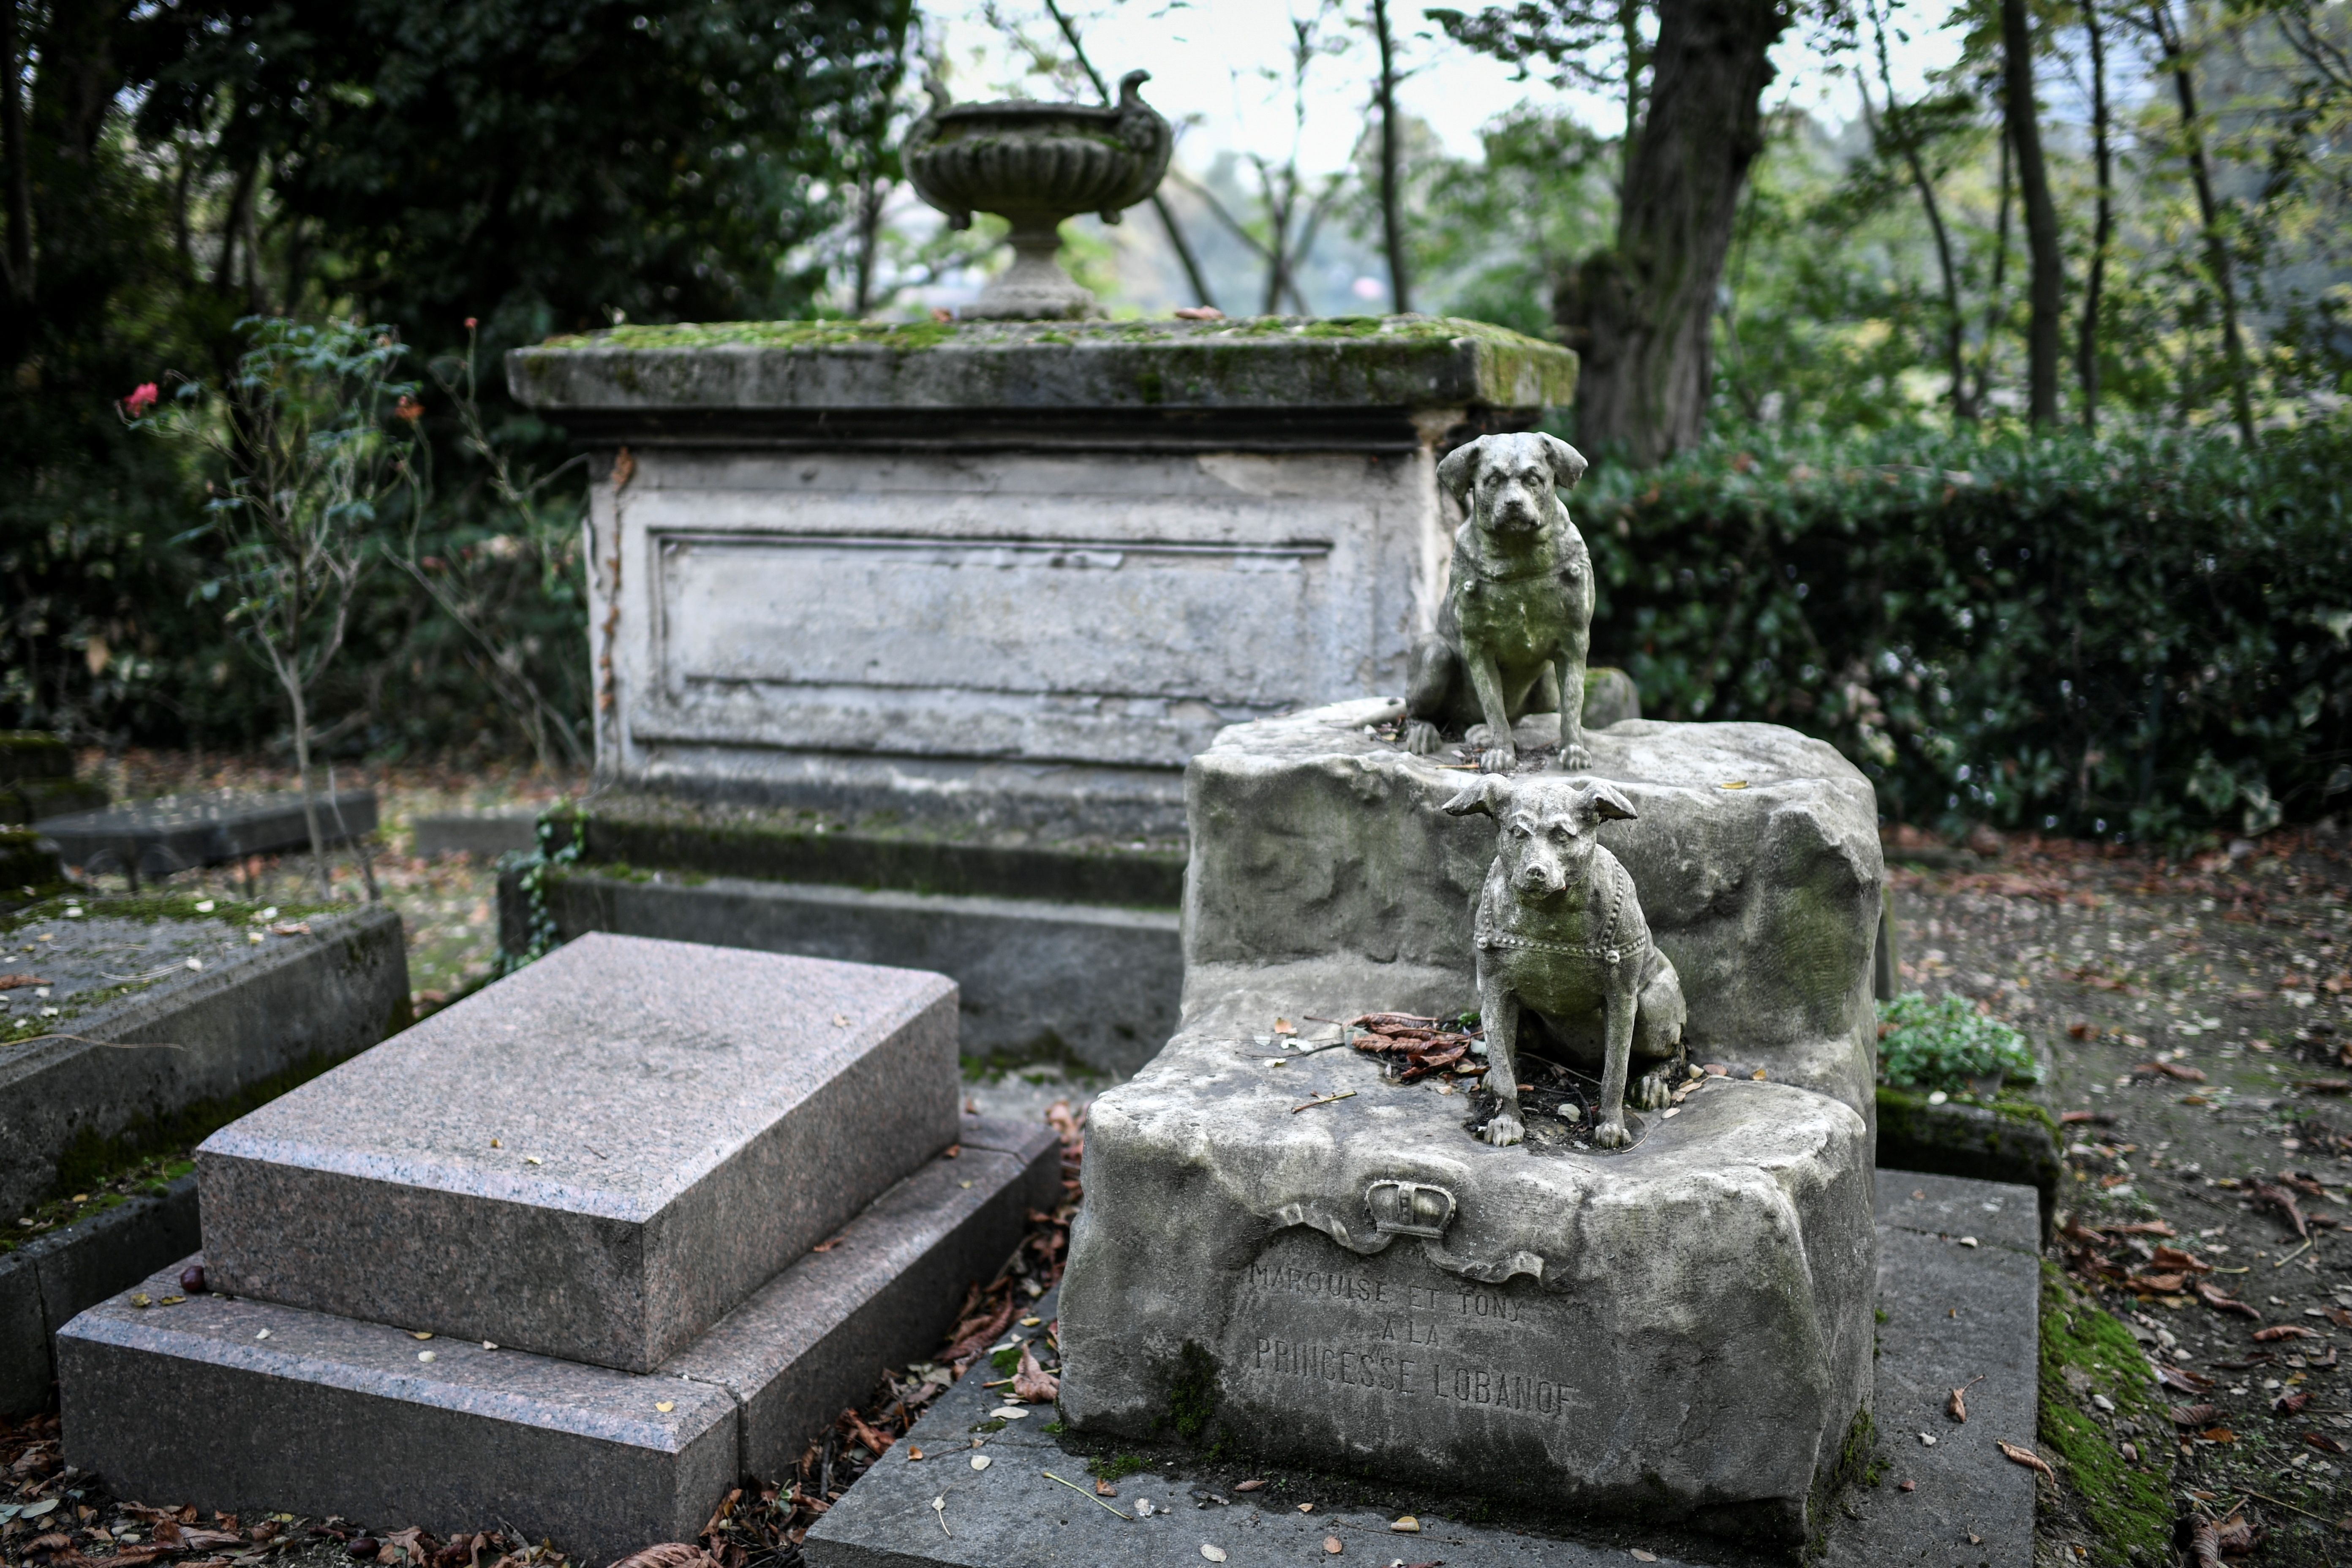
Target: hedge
2146 638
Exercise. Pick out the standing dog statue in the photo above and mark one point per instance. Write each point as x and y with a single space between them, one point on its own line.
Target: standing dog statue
1518 619
1560 938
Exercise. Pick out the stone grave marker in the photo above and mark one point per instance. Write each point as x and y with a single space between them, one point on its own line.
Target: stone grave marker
156 837
574 1254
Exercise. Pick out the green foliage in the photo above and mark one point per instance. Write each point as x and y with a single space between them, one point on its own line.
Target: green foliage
2146 636
534 165
2085 1350
1946 1044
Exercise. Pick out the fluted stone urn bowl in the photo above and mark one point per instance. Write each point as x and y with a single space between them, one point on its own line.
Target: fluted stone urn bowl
1035 164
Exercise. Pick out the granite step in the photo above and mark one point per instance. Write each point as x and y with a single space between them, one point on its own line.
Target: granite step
596 1157
240 1404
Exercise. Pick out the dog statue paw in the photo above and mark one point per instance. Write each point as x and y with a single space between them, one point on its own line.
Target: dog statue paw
1575 759
1420 738
1652 1092
1498 760
1505 1129
1611 1135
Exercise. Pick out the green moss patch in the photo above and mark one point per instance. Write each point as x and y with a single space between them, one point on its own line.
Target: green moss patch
917 336
1115 1467
2085 1350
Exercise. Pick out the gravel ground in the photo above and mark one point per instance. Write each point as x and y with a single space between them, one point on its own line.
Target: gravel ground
2198 1018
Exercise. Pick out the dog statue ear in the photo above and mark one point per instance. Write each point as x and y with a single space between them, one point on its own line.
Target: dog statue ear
1487 793
1461 467
1603 803
1568 464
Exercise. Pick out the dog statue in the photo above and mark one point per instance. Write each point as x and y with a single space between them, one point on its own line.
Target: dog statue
1560 938
1518 619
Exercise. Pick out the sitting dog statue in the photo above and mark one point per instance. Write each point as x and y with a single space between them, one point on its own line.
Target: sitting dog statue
1561 941
1517 618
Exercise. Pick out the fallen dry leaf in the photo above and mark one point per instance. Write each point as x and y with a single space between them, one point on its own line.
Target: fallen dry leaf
875 1443
2218 1435
2205 1544
1214 1553
1642 1556
2183 1379
2174 1258
1104 1488
2281 1199
2283 1331
1250 1486
1285 1027
2192 1414
2028 1457
2223 1301
2143 1228
2290 1403
1957 1406
1034 1382
1331 1545
11 982
1406 1525
2323 1442
669 1555
2173 1070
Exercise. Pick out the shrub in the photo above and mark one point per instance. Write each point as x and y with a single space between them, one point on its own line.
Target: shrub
2148 637
1946 1044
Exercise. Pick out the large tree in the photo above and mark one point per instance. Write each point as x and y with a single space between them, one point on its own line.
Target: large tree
1641 310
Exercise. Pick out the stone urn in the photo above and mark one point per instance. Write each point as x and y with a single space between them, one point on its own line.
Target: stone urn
1036 164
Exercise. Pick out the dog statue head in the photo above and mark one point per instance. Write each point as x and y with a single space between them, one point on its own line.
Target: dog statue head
1513 479
1547 824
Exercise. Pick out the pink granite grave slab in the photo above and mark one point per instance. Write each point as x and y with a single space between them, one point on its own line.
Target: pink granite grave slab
596 1158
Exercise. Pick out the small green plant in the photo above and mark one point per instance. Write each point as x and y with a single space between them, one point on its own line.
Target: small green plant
1946 1043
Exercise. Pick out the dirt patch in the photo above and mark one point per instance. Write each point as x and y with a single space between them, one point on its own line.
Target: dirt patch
2198 1020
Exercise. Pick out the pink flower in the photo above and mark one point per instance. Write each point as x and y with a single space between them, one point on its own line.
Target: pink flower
142 397
470 324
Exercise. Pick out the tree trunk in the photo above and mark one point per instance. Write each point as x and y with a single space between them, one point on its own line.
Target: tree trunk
2086 346
2046 282
2209 212
1955 324
1391 231
1993 295
1648 306
20 179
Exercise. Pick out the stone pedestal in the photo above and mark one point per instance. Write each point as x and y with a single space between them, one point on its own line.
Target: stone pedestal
552 1257
1681 1327
1008 574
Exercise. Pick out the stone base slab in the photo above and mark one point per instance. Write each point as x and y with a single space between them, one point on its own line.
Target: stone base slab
1969 1504
237 1403
1032 978
1679 1329
190 1044
45 1283
596 1158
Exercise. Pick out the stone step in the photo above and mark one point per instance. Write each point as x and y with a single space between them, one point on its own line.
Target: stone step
157 837
1099 982
596 1158
245 1404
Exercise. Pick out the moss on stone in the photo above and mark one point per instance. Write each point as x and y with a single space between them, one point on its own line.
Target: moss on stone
34 755
1115 1467
2000 1139
1193 1396
915 336
2087 1350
